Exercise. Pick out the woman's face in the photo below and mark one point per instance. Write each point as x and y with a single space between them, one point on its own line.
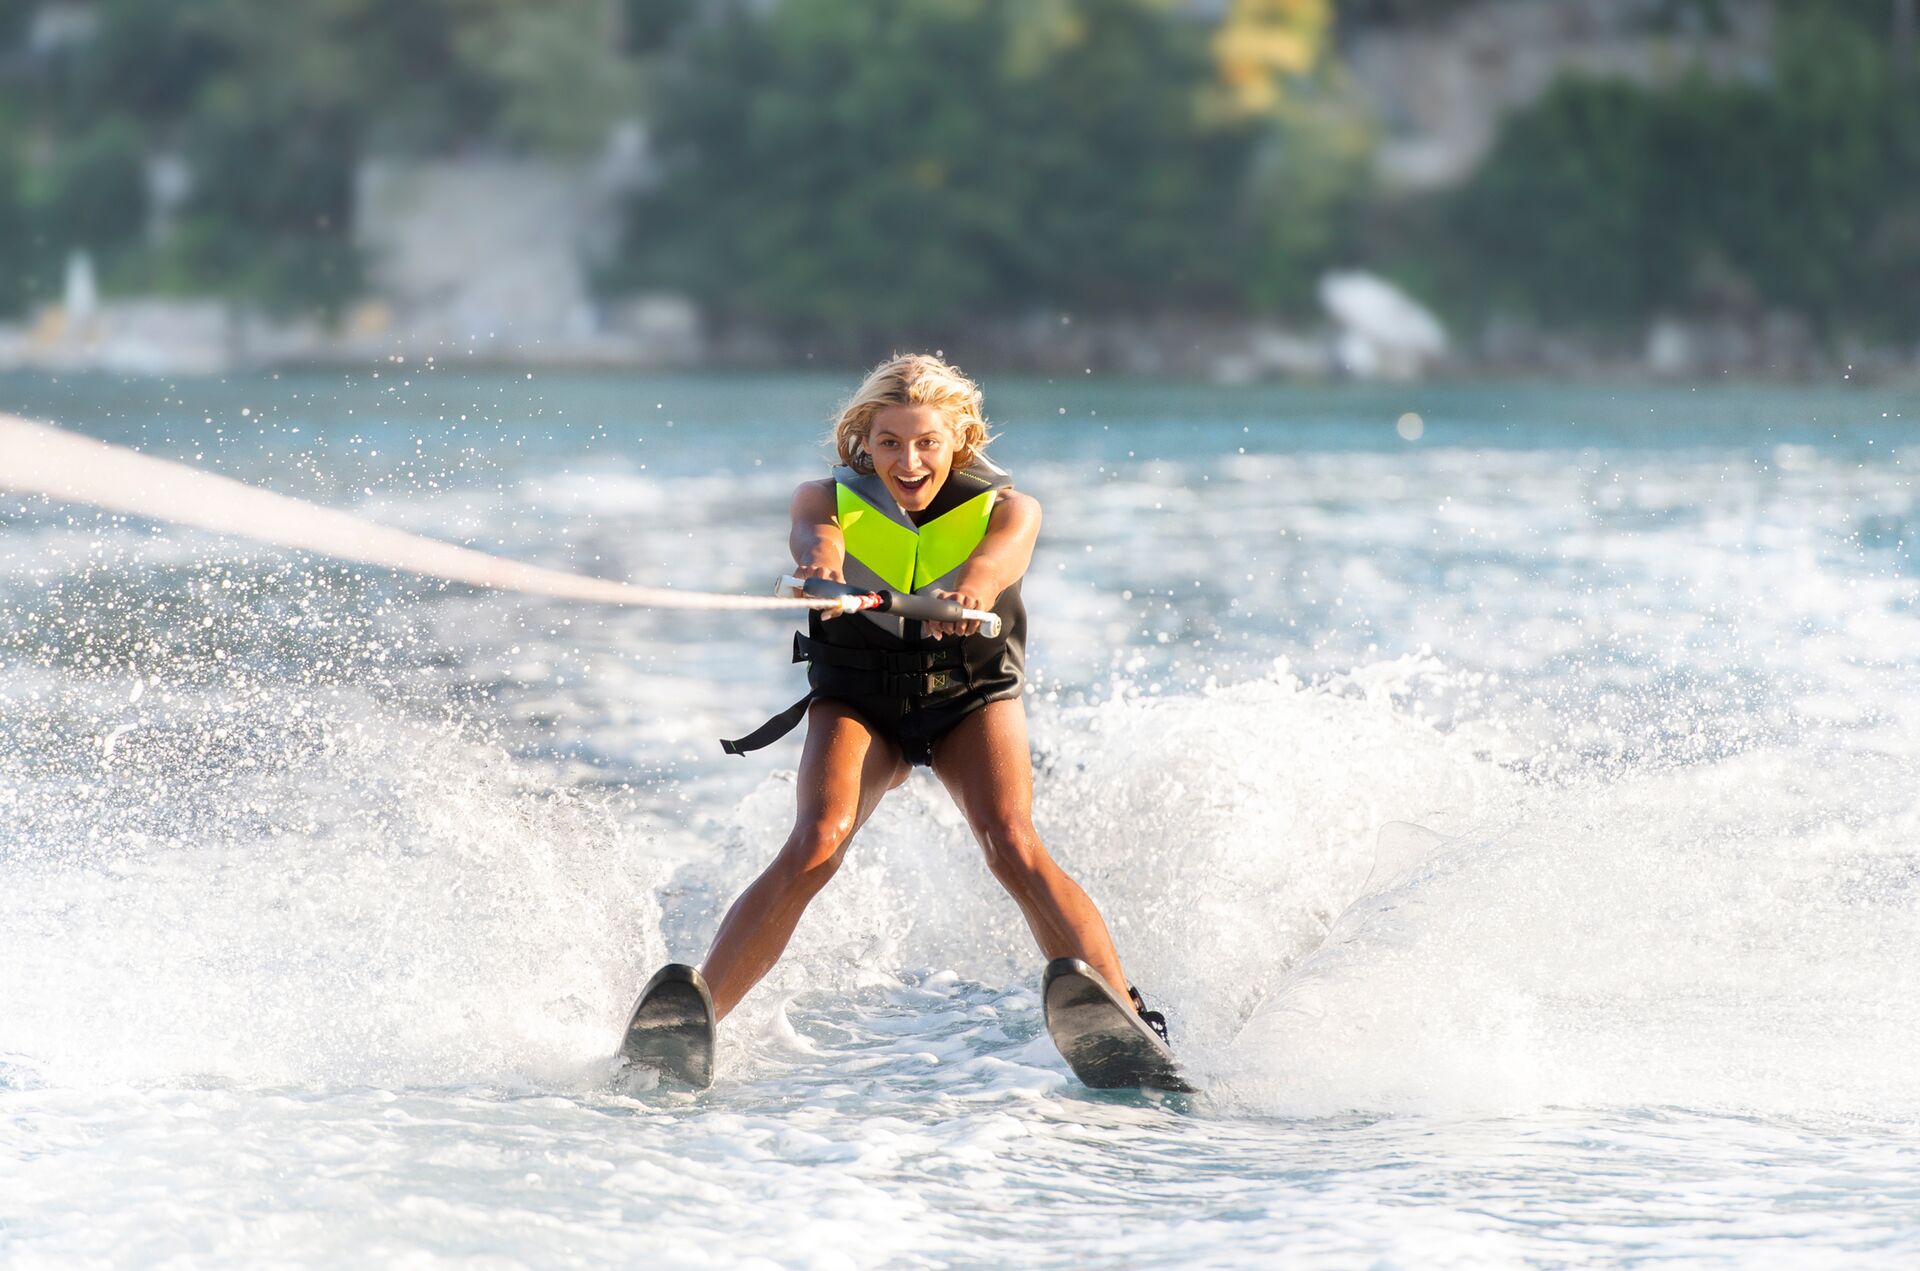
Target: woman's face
912 449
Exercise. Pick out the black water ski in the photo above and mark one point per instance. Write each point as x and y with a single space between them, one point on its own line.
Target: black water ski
672 1027
1106 1044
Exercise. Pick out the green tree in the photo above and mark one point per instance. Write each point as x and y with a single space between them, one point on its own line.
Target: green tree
869 165
1306 193
146 63
92 192
1844 182
1606 203
1555 222
275 233
557 70
14 234
275 106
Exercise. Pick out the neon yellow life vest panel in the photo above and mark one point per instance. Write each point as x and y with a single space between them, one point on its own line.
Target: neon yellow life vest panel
906 558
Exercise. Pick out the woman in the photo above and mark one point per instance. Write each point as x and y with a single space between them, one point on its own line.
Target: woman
914 506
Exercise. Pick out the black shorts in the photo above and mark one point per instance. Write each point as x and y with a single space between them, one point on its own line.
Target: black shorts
979 671
916 726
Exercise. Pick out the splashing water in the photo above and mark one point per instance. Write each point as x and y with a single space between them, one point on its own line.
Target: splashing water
1518 829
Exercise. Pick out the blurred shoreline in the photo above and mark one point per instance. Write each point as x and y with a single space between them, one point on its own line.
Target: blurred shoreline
164 337
1655 190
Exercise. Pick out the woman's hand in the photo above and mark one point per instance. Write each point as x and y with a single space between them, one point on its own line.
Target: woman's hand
819 549
967 599
997 564
828 572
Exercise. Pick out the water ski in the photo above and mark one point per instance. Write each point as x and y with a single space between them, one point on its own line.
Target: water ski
672 1027
1106 1044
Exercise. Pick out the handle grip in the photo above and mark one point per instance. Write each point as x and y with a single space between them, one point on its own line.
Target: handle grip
907 605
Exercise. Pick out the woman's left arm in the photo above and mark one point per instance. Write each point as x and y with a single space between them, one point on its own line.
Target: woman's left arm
999 562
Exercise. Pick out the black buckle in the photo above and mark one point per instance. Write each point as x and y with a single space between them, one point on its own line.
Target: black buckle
923 685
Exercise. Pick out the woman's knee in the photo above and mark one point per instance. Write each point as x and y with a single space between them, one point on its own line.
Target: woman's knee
814 851
1012 846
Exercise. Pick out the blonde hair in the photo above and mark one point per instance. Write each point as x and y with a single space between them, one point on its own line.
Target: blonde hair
912 379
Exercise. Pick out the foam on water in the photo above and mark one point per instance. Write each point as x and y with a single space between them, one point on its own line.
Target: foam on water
1222 833
1736 935
267 884
1753 953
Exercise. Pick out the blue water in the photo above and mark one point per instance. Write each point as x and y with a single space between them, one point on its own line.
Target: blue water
1517 824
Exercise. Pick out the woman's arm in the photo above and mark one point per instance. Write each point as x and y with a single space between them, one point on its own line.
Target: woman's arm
819 548
999 562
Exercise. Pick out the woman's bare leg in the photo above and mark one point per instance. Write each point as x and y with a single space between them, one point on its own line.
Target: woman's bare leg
844 770
988 769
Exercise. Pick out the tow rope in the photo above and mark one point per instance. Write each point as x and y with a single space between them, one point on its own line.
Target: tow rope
36 459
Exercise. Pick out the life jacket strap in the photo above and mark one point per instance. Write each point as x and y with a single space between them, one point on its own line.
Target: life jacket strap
771 731
903 674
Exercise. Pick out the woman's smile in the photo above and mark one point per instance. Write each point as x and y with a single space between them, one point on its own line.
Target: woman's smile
912 452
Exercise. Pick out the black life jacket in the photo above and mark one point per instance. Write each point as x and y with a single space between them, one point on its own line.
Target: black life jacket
886 664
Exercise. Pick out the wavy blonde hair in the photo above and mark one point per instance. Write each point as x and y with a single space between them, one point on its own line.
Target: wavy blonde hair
912 379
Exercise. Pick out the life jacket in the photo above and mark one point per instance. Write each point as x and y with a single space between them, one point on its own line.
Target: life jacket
885 663
885 549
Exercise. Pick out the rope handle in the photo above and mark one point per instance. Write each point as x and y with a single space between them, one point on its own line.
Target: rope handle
852 599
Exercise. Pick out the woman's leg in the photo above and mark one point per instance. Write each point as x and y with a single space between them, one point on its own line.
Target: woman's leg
987 768
844 770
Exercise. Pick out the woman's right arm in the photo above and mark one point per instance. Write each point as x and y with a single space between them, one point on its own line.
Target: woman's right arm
819 548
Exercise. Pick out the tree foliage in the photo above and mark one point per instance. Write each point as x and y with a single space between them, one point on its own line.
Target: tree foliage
15 236
868 164
1607 203
856 163
1262 45
908 164
92 192
273 107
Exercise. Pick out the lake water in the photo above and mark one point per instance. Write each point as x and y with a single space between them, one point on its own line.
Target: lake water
1519 824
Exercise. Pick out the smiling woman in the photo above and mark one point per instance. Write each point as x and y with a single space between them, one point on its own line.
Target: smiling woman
913 451
915 505
907 401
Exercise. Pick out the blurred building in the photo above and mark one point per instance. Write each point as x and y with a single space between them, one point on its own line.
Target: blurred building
493 256
1439 78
